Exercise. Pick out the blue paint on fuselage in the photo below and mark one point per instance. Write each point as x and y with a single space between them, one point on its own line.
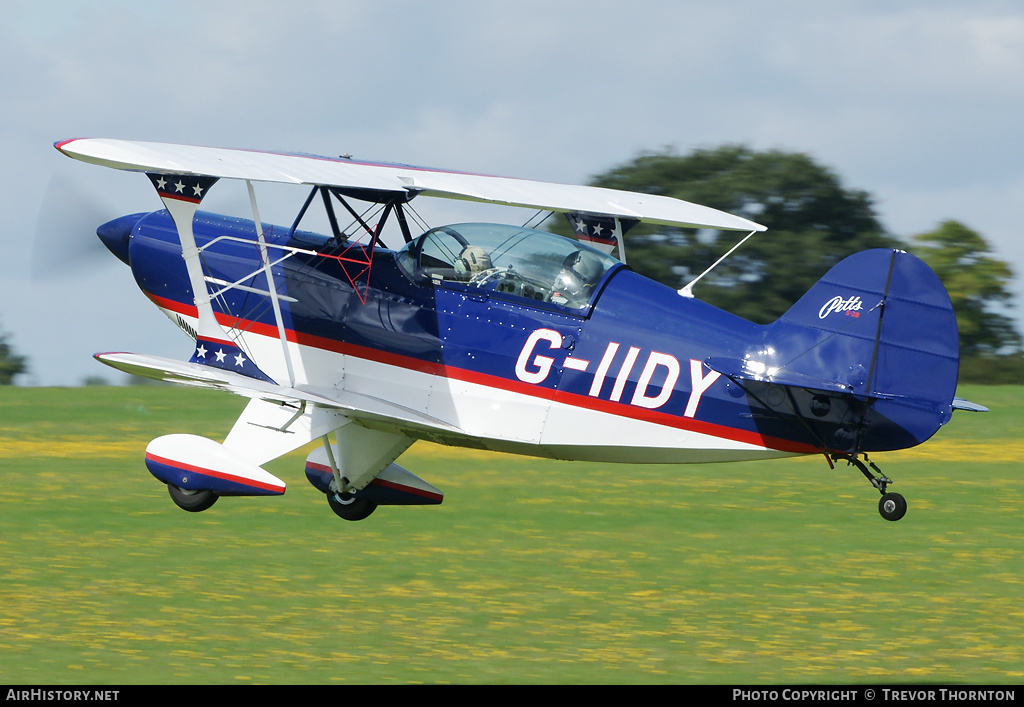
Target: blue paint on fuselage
483 334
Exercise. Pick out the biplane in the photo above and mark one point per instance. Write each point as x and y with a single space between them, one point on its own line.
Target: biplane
496 336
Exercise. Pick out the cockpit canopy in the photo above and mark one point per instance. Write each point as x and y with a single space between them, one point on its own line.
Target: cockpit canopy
511 260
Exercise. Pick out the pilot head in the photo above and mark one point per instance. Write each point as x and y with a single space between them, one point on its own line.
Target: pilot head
474 259
580 272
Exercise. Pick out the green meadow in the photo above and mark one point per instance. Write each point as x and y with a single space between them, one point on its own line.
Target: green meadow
531 571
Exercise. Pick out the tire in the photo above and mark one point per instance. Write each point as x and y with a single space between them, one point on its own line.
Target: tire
349 507
892 506
192 501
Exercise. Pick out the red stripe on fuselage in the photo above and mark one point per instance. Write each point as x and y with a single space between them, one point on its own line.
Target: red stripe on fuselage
513 386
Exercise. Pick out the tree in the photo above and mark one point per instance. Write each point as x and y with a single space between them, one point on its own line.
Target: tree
10 363
813 222
977 284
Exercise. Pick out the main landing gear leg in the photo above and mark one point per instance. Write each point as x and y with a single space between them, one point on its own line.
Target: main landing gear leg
892 506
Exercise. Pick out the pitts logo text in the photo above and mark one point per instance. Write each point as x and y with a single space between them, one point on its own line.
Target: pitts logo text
851 306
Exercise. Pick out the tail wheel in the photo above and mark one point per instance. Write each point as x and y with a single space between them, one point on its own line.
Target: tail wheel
892 506
191 500
349 507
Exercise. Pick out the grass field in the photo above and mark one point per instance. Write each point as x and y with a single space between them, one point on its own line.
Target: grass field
531 571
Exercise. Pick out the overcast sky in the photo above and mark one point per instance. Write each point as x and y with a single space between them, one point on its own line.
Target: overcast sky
921 104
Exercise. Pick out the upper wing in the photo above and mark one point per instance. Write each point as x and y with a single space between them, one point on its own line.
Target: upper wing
400 179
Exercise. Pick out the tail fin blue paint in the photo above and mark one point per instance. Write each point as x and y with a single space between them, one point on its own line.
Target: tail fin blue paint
878 326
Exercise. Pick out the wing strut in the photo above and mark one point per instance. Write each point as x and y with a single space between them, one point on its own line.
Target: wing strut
687 289
271 288
181 196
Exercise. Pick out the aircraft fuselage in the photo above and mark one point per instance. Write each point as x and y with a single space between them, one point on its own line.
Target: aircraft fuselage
620 379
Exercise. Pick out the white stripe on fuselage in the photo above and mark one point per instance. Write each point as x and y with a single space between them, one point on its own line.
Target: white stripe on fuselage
507 420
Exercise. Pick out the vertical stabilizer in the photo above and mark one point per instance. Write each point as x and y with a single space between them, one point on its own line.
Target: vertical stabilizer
878 325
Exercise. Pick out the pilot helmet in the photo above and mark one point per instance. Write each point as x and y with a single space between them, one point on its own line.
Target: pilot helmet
580 270
474 259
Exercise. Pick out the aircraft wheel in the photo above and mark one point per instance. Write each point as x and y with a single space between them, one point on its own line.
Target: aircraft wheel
350 508
892 506
190 500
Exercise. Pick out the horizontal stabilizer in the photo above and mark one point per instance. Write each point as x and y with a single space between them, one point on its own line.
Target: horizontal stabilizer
197 463
745 369
961 404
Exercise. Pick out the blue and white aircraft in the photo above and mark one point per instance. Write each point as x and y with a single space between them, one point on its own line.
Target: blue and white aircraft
499 337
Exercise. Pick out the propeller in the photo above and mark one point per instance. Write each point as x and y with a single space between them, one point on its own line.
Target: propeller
65 240
70 219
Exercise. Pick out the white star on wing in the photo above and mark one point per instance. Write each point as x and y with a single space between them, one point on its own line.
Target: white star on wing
201 351
220 355
197 190
179 186
239 360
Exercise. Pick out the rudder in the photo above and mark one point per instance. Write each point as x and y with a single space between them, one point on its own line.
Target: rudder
879 326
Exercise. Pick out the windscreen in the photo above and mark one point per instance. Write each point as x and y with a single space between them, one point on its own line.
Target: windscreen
511 260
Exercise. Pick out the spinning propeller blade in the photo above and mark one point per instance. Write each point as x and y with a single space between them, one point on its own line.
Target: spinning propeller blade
65 240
